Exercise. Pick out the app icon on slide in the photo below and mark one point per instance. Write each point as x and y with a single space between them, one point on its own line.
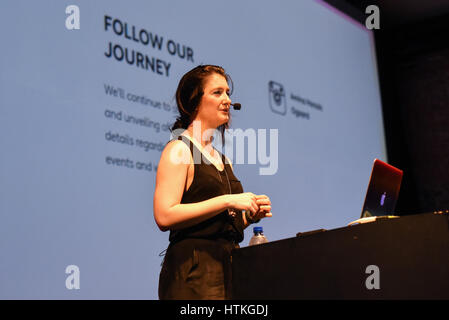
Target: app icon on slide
276 96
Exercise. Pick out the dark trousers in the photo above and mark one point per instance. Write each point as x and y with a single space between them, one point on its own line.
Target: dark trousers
195 269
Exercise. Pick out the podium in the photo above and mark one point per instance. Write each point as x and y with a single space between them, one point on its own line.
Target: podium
401 258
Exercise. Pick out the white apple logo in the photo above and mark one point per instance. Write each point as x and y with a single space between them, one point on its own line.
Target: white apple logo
382 199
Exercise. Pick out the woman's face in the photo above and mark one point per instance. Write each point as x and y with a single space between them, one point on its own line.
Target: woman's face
215 104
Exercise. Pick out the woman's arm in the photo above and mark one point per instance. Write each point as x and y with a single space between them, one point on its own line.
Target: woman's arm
171 179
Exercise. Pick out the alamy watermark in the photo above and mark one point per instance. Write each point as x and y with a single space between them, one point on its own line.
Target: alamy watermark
373 280
73 279
256 146
373 20
72 22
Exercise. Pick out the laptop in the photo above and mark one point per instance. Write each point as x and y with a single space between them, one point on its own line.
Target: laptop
382 193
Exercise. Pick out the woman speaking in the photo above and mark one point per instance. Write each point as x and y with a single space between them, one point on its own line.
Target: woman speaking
197 196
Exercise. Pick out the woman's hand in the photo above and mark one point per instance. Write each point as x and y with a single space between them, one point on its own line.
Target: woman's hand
264 204
259 206
244 201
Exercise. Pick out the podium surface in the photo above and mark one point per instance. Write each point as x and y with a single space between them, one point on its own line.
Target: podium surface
402 258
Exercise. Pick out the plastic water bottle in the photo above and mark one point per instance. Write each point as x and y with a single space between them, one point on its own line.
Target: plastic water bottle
258 237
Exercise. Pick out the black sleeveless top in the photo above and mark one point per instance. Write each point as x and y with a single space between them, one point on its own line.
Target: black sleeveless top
208 182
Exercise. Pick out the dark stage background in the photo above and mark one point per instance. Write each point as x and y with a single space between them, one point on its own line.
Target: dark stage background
413 63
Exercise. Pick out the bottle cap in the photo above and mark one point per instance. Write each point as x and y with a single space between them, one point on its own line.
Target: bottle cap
258 229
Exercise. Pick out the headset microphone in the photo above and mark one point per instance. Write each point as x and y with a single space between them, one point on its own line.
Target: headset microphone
237 106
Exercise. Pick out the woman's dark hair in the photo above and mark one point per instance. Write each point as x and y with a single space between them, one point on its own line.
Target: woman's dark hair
190 91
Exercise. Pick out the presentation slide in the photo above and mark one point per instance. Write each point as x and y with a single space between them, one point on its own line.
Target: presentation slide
87 103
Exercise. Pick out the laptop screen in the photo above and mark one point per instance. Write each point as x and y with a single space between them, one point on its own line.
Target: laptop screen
383 190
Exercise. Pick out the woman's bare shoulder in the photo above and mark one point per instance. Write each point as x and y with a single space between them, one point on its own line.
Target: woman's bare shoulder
176 151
